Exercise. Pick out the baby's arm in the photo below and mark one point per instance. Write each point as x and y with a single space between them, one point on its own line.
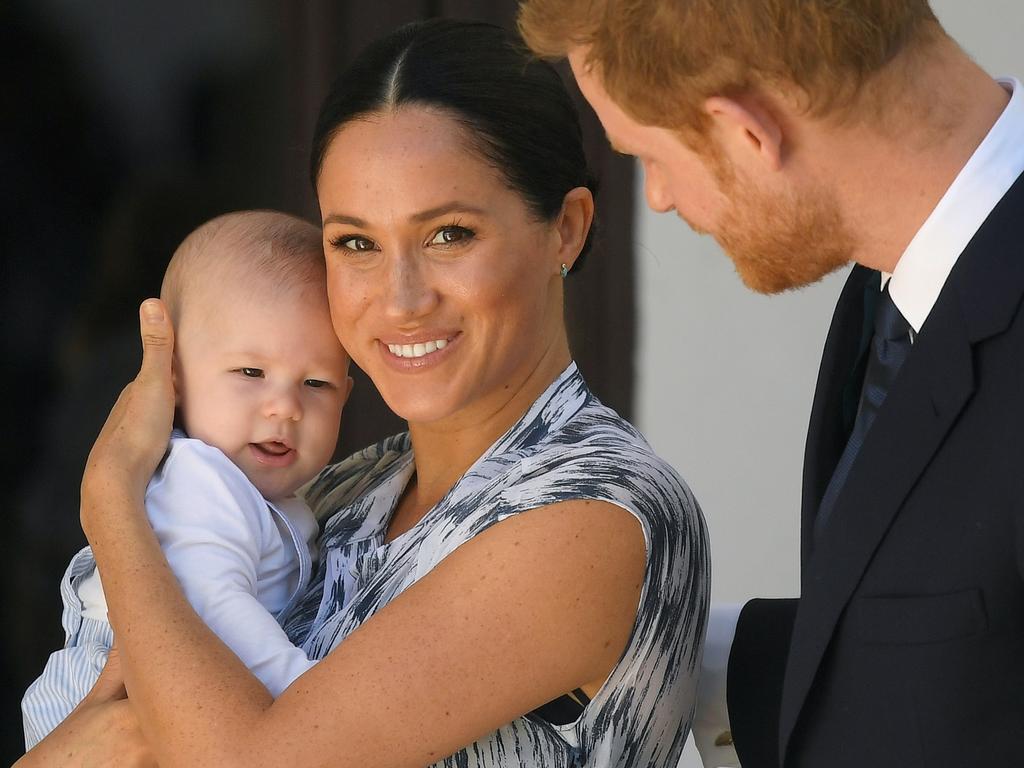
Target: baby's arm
216 531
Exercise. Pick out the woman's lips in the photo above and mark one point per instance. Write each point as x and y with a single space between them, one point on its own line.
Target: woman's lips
418 355
419 349
273 453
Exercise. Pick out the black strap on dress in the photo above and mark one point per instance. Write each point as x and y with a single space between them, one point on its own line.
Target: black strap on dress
565 709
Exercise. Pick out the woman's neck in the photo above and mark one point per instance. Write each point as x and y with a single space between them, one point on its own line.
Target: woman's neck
444 450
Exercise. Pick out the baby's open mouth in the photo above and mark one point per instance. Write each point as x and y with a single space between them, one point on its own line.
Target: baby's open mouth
273 453
274 448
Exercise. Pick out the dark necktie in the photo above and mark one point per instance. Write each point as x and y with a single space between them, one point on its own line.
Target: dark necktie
889 347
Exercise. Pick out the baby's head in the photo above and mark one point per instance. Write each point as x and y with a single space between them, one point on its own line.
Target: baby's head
259 372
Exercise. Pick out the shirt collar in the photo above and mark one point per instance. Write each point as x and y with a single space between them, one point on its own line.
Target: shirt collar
926 263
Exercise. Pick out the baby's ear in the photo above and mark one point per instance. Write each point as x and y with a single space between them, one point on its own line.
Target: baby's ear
349 383
175 379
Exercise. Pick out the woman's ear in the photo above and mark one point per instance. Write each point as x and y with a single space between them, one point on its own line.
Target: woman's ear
573 224
747 129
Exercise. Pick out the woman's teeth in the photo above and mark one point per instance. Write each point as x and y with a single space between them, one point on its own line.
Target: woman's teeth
417 350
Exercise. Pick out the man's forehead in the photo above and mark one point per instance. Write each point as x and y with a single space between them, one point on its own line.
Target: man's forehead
615 121
584 71
625 135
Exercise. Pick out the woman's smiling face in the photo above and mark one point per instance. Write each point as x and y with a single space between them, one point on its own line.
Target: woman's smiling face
444 286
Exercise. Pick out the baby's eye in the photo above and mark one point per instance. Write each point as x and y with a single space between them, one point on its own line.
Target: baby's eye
316 383
252 373
451 235
353 243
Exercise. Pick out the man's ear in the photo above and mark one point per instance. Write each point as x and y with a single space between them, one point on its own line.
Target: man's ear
747 129
573 224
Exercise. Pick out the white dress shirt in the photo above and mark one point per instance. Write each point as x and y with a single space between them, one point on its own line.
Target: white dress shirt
914 285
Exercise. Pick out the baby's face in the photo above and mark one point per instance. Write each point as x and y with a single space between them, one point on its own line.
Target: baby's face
263 378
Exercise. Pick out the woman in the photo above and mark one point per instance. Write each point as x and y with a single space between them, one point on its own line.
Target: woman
519 573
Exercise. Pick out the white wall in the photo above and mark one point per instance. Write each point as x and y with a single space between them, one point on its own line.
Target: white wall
725 377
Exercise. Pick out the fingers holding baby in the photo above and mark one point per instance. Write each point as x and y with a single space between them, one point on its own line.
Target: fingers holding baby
134 437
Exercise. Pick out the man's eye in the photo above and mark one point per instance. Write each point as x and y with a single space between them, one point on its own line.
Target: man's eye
316 383
451 235
353 243
252 373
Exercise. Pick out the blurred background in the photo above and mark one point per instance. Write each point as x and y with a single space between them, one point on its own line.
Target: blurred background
125 124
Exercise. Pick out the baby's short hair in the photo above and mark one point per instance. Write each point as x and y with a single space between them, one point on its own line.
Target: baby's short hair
251 248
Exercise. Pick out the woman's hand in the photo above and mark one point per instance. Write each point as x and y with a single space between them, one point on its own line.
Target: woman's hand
102 731
135 435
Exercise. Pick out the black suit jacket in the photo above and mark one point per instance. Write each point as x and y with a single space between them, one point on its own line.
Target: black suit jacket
907 645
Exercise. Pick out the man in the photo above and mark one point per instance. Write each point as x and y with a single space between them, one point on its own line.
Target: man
804 136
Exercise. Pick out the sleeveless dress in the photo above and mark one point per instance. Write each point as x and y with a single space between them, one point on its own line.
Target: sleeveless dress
566 446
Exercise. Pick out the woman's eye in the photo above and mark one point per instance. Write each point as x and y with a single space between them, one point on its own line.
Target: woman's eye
252 373
451 235
353 243
316 383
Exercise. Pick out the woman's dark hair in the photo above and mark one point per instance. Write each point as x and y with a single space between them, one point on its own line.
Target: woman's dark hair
515 106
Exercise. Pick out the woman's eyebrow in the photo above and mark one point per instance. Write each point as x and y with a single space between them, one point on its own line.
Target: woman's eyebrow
341 218
454 206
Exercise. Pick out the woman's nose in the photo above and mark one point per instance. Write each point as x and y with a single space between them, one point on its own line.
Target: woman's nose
409 292
283 404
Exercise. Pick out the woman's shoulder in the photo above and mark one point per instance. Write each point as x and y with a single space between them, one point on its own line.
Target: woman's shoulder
349 479
602 427
599 455
599 438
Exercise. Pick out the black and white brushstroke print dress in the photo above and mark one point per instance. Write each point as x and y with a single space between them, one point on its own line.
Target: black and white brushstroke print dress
567 446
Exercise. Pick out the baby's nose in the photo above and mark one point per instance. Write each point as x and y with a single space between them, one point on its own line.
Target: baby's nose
284 404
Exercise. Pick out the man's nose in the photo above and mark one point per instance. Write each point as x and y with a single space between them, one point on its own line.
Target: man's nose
658 197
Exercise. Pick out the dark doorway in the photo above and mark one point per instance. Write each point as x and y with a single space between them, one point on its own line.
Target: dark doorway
124 126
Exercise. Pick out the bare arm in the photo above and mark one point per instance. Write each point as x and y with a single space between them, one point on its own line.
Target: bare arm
534 607
102 730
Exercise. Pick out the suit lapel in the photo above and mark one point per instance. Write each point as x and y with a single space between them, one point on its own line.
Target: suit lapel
980 299
933 386
828 430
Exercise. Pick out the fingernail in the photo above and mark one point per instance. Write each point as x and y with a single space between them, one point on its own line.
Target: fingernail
152 311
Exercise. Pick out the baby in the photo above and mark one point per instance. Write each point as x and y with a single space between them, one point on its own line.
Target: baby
261 380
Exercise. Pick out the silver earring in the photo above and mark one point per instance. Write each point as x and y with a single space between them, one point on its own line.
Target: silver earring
564 271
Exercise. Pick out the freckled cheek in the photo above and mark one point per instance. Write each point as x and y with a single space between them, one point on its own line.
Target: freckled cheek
470 285
349 298
510 300
480 296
